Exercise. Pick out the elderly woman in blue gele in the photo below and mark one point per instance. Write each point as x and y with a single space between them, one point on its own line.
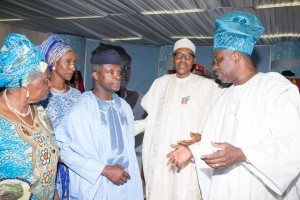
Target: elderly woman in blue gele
61 59
29 155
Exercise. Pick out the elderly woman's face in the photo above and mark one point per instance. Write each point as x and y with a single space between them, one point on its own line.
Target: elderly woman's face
39 89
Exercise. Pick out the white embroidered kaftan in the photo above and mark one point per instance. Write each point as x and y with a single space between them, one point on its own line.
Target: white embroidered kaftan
175 108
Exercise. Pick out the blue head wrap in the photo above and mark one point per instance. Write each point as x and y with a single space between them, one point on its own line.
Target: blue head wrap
19 62
53 48
106 57
237 31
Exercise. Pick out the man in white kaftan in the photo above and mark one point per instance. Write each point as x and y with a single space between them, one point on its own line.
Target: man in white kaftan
254 126
96 139
262 118
177 105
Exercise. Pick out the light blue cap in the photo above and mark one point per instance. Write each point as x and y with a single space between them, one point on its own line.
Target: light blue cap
237 31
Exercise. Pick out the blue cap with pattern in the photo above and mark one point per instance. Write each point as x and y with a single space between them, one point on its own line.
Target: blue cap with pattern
237 31
20 62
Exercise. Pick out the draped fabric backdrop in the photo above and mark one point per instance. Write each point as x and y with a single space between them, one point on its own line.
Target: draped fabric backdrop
165 60
286 56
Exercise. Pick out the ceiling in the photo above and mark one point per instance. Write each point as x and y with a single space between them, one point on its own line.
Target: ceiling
113 19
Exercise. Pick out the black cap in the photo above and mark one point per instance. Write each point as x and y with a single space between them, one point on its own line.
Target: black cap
106 57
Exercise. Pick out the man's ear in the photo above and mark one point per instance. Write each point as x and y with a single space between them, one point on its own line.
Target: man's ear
237 56
95 75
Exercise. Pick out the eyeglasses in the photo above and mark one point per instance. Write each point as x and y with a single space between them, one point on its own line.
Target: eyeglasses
188 56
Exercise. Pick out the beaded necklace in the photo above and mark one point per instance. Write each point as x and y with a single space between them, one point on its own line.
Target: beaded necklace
13 109
59 91
17 113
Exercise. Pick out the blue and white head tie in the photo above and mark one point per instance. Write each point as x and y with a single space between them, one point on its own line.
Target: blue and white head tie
53 48
237 31
20 62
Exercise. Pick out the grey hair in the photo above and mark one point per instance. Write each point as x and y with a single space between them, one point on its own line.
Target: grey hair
95 67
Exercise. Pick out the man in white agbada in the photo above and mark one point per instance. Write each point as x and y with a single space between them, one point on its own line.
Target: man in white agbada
96 138
250 143
177 106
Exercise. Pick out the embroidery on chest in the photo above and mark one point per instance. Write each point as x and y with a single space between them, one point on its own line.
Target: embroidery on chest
123 118
184 100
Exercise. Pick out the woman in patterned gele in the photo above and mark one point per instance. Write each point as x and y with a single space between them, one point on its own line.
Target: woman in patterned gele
61 60
29 155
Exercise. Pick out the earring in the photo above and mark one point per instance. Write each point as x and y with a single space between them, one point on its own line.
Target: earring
53 68
27 92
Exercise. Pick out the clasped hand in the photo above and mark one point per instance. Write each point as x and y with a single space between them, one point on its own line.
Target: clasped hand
116 174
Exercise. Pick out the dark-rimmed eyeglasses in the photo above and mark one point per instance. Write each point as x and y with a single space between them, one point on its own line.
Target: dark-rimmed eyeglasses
179 55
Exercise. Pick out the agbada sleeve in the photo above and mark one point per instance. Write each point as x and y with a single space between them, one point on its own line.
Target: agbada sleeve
275 159
75 140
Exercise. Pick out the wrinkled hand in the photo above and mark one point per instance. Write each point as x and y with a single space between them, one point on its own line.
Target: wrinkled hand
180 155
226 156
196 137
116 174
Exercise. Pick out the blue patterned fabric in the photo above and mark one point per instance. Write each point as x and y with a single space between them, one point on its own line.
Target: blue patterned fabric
53 48
110 114
237 31
28 158
286 56
56 105
19 62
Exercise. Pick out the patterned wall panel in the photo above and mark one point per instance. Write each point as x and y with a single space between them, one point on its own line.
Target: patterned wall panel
165 60
286 56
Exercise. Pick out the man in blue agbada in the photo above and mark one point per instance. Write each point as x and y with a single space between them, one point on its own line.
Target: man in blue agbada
96 138
250 143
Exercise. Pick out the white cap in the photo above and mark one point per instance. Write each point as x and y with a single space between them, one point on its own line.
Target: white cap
184 43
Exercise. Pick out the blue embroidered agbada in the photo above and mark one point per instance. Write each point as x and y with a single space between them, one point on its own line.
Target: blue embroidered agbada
95 133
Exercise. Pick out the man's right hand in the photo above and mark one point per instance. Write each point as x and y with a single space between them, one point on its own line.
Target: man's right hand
116 174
